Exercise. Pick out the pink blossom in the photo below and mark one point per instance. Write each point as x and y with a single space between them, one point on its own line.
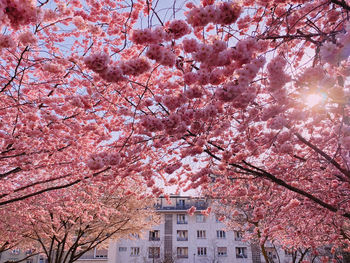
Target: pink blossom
113 74
178 28
6 41
191 210
190 45
27 38
97 62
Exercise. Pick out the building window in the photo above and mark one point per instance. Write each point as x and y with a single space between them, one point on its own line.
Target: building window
238 235
154 252
220 234
181 203
154 235
222 251
101 253
241 252
29 261
201 251
182 235
15 251
200 218
122 249
135 251
182 219
182 252
201 234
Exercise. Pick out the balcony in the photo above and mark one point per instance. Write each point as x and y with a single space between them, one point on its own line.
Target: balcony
154 238
182 239
182 256
180 207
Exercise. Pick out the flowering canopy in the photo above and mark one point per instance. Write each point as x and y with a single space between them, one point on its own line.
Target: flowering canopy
96 89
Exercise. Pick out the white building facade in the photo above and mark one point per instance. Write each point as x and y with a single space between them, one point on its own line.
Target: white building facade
184 238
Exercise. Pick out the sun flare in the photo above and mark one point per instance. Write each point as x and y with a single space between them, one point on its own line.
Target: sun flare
313 99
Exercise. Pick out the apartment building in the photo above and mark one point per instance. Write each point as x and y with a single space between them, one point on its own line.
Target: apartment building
181 238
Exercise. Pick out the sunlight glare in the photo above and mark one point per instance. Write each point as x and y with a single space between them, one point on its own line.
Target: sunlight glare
313 99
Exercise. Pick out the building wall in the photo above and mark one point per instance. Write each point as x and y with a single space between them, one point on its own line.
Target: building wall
19 254
211 244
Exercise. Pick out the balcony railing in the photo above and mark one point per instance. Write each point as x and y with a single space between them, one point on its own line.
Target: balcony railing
182 207
182 238
182 256
181 222
154 238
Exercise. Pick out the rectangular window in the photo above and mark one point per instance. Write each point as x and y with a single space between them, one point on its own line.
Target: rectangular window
182 252
222 251
200 218
181 203
101 253
122 249
241 252
182 235
135 251
154 235
201 234
182 219
29 261
220 234
15 251
154 252
201 251
238 235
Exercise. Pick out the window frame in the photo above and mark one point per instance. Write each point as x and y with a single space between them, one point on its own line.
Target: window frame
244 253
182 249
202 251
151 253
201 234
154 235
222 253
182 219
220 234
183 236
122 249
202 220
133 250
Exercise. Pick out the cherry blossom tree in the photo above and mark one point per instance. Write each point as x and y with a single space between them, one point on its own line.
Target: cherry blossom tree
135 89
64 224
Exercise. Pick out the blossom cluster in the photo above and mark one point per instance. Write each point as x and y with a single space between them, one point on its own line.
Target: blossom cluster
100 160
276 75
174 30
161 54
178 122
6 41
240 93
334 53
27 38
218 55
18 12
224 13
148 36
101 64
